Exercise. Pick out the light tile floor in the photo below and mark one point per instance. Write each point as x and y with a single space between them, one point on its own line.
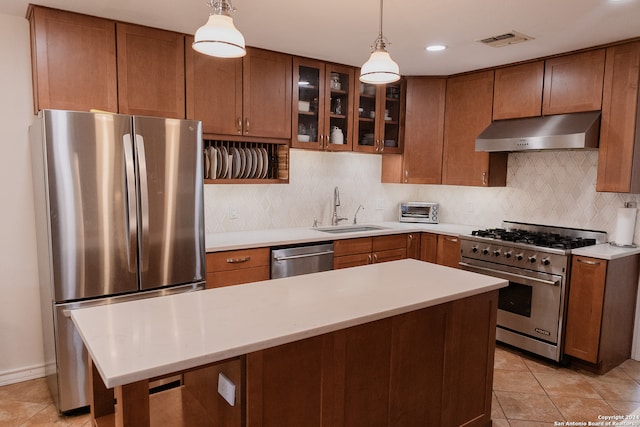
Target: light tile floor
527 392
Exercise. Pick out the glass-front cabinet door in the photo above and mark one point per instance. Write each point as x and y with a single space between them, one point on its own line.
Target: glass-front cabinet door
323 105
338 126
379 116
308 104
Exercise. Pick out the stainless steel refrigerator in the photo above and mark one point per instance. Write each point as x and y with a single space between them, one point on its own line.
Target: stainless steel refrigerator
119 215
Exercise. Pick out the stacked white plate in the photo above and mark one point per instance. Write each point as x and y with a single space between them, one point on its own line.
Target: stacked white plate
235 163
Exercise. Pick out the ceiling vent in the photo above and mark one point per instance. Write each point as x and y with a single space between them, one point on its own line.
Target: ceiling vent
506 39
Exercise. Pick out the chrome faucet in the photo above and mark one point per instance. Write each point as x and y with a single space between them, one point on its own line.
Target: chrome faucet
335 220
355 216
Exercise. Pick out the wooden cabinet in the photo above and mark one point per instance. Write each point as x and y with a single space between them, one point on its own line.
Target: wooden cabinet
601 311
150 71
619 153
517 91
322 102
421 159
213 91
378 116
266 94
73 60
440 249
413 245
236 267
448 253
573 83
430 367
468 111
369 250
429 247
245 97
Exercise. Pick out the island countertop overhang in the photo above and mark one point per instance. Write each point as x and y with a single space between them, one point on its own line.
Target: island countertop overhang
147 338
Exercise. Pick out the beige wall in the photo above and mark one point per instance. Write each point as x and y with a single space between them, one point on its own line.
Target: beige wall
21 354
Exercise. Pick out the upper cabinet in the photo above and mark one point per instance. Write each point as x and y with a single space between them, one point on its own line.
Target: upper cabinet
266 94
469 101
421 161
214 91
240 98
378 118
322 105
517 91
619 153
150 71
74 61
573 83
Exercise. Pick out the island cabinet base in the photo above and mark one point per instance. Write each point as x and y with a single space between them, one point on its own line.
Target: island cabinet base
428 367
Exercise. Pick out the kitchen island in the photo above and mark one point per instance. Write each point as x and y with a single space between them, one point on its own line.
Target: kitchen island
400 343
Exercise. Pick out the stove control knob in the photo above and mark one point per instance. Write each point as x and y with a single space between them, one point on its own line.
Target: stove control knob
508 254
485 251
474 249
532 259
496 252
545 261
519 257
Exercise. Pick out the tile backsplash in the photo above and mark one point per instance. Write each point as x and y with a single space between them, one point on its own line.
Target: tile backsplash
553 188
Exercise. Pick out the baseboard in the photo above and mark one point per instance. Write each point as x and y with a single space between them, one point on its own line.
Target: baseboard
21 374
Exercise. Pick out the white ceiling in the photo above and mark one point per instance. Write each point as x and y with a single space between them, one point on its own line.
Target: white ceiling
343 30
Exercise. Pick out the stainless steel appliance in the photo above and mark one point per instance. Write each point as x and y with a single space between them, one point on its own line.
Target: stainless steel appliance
425 212
296 260
535 259
558 132
119 215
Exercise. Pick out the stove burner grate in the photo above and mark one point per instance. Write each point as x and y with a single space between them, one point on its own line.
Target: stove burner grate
542 239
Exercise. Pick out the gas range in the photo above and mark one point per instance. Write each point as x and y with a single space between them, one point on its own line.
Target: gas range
530 246
535 259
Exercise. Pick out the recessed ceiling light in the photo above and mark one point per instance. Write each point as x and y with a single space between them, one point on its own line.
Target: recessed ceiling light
436 47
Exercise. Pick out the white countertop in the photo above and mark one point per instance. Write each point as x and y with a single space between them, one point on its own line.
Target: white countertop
140 339
216 242
605 251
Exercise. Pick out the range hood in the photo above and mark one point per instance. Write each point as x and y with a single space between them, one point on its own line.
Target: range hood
573 131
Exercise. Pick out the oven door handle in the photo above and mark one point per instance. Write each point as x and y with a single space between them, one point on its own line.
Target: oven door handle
509 276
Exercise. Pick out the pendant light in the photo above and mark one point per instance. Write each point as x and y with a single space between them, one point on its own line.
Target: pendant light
380 68
219 37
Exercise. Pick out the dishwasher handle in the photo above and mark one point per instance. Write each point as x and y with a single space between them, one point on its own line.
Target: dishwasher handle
312 254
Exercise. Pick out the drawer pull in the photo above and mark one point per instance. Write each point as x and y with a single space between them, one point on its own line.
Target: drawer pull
238 260
584 261
452 239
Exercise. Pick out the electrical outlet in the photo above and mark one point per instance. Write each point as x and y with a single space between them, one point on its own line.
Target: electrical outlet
379 204
233 212
226 389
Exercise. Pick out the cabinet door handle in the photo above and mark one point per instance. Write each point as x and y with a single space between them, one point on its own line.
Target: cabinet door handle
246 126
370 259
410 236
238 260
585 261
239 125
375 258
484 178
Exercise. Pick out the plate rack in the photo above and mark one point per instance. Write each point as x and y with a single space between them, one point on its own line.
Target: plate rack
235 162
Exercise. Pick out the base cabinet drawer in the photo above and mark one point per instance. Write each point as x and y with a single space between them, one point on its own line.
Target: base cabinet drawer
237 267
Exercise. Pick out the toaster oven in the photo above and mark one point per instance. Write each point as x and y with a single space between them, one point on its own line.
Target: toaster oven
426 212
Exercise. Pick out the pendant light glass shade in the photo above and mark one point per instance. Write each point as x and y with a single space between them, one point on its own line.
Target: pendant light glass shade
219 37
380 68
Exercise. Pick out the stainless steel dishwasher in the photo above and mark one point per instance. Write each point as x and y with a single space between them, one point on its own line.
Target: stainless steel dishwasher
295 260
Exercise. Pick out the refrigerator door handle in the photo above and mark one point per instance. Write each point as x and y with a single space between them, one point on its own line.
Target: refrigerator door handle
144 203
132 234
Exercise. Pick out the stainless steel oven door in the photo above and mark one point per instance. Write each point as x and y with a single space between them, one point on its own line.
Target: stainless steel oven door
531 304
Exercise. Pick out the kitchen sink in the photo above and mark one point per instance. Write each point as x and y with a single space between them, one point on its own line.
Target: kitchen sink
349 228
